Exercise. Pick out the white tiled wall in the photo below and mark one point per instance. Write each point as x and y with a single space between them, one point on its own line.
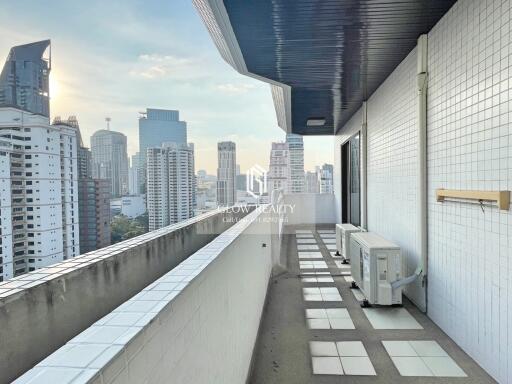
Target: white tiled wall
392 167
470 147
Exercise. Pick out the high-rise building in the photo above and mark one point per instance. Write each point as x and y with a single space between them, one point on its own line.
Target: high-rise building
24 80
311 185
171 184
158 126
133 175
226 171
70 140
110 160
94 208
279 176
296 148
38 176
325 178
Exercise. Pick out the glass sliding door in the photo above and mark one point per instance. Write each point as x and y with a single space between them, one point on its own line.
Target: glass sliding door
351 181
355 181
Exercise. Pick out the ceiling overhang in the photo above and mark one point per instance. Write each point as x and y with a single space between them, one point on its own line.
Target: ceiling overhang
322 58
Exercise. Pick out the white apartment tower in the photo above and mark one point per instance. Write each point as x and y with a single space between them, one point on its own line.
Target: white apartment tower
70 141
226 174
325 178
279 168
38 194
171 185
296 148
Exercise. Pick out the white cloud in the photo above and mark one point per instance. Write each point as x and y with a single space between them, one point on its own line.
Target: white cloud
155 66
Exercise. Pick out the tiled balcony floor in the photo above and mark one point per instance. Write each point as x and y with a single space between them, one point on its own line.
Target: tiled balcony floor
309 336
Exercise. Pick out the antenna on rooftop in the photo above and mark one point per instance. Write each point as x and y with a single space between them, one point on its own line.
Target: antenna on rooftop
108 120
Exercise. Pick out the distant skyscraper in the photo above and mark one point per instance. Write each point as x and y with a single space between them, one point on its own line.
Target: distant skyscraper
279 176
325 178
158 126
171 184
38 198
296 148
24 80
226 171
312 185
84 162
134 174
110 160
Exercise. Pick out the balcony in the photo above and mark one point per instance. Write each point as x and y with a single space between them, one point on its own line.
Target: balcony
217 299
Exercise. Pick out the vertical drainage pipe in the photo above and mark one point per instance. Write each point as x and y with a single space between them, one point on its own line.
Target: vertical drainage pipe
422 78
364 168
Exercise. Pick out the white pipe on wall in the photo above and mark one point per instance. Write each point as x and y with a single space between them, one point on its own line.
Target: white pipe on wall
364 168
422 78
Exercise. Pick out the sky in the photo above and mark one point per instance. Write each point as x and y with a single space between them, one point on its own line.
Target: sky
116 58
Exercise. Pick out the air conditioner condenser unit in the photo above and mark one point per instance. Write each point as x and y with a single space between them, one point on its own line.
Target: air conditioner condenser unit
375 264
343 232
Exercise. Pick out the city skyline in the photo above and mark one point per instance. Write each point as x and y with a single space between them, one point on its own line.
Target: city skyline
134 69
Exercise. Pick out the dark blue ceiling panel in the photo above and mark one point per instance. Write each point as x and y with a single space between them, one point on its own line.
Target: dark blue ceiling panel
333 53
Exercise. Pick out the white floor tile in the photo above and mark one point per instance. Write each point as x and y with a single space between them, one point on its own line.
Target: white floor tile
422 358
327 366
318 324
443 366
323 348
312 265
307 247
427 348
326 279
326 231
351 348
342 323
399 348
337 313
316 313
411 366
318 279
391 318
329 241
335 297
310 255
303 231
328 235
313 298
361 366
306 241
317 273
304 236
348 279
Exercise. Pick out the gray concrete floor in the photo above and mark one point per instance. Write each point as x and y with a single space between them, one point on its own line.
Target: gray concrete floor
282 354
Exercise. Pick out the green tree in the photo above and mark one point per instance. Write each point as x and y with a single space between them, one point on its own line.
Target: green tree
124 228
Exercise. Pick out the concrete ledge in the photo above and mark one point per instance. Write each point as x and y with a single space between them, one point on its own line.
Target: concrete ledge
42 310
196 324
